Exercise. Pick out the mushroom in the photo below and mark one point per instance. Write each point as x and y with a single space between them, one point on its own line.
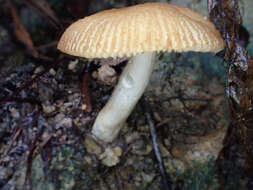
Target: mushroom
139 32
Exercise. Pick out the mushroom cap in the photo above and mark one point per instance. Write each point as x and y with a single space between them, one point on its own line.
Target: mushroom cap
138 29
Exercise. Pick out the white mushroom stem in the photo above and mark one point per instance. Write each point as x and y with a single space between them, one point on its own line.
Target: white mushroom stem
126 94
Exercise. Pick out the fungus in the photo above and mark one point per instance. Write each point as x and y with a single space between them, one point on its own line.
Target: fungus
139 32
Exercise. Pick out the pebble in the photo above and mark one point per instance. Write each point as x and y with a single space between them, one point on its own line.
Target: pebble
47 107
52 72
14 112
147 177
72 65
39 69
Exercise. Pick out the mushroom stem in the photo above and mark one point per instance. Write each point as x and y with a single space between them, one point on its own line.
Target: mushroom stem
126 94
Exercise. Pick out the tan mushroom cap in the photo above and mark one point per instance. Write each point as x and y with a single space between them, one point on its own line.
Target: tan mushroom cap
138 29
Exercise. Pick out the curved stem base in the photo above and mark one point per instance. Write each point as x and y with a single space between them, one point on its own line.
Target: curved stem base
126 94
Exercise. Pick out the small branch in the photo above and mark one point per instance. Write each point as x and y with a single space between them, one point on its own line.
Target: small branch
31 154
13 139
149 117
22 100
85 91
47 45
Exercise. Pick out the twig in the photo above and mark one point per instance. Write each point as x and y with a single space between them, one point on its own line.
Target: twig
165 121
22 100
119 182
47 45
149 117
32 149
85 90
13 139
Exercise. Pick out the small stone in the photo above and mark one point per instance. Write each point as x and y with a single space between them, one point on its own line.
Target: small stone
14 112
52 72
84 106
138 178
140 147
59 117
71 168
64 122
39 69
167 142
45 135
147 177
72 65
157 116
164 151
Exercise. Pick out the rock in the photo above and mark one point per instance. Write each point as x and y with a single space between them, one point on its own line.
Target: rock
208 146
72 65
